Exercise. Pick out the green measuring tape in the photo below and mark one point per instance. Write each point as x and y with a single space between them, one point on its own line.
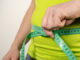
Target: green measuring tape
38 31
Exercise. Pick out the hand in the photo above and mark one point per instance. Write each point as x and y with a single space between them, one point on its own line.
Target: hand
13 54
60 15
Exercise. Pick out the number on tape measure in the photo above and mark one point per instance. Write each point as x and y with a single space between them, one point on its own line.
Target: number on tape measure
64 47
38 31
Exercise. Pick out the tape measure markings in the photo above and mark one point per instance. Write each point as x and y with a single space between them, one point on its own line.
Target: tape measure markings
64 47
38 31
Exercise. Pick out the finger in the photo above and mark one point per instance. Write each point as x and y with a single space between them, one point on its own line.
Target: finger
56 21
49 33
68 22
50 21
62 24
45 19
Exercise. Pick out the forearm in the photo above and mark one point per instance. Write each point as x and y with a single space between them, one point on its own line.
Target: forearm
73 9
24 29
76 8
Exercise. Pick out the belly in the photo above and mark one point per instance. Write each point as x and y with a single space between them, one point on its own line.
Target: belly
46 47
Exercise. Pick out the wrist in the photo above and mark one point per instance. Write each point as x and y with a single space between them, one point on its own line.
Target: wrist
15 47
77 8
76 2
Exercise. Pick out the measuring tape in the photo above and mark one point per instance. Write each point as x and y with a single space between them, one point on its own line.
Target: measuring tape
39 31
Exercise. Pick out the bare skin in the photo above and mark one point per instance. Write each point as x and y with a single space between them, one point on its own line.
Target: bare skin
24 30
60 15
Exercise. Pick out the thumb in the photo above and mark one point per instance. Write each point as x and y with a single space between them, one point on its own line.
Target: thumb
68 22
45 19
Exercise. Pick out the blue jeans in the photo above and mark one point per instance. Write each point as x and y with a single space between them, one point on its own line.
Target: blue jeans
29 57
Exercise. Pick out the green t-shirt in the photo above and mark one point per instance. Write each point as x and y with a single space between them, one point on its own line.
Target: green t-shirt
45 48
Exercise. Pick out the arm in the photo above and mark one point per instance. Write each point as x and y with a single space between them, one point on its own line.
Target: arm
25 27
24 30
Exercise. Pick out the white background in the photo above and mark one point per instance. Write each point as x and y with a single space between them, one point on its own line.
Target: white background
11 15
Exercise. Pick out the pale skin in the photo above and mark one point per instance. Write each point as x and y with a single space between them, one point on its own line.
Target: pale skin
55 17
60 15
24 30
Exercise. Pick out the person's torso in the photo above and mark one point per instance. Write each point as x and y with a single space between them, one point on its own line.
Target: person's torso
45 47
